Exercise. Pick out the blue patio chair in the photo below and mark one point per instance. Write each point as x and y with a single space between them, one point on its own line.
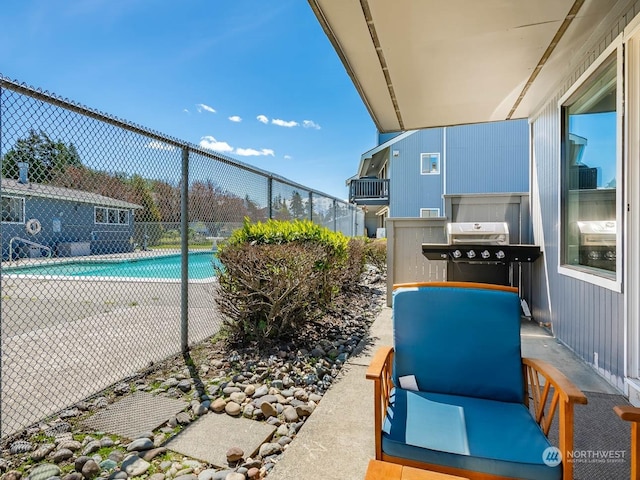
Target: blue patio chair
454 394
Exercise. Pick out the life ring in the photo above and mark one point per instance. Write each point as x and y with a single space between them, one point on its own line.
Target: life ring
33 226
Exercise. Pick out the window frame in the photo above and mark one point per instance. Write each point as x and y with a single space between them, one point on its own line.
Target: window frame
23 214
429 155
108 212
602 278
437 210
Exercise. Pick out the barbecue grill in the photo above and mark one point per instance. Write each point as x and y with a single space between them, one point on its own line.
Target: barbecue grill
597 246
480 252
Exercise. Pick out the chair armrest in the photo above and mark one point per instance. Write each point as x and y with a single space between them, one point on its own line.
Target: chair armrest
541 381
567 389
380 359
628 413
379 371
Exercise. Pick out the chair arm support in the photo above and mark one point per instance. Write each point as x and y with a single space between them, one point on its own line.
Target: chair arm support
568 391
380 359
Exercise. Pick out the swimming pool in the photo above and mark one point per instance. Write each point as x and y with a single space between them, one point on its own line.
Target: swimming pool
166 267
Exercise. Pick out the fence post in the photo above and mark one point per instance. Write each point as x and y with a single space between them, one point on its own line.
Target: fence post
270 197
335 215
184 254
311 206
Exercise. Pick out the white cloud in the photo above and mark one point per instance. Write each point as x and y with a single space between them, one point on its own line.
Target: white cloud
285 123
212 144
262 119
158 145
252 152
288 157
235 118
202 106
310 124
186 111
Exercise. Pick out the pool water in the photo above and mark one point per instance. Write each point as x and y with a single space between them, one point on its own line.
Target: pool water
164 267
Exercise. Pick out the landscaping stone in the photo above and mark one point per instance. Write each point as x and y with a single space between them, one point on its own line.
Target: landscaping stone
90 469
233 409
149 455
42 451
234 454
140 444
20 446
44 471
61 455
134 466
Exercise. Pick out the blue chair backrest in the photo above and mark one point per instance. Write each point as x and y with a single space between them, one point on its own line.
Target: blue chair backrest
459 341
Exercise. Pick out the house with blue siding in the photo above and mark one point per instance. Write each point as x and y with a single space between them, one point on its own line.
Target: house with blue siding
570 69
410 173
44 220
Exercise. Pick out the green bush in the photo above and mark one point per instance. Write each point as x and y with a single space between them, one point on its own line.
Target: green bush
277 275
376 254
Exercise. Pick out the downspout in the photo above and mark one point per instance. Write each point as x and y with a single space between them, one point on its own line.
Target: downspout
444 169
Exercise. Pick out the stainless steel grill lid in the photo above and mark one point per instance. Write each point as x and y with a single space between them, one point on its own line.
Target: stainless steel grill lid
478 233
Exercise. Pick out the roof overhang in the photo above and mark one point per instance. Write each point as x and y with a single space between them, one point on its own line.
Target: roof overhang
428 63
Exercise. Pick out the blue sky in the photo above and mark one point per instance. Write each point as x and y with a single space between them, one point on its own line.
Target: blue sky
255 79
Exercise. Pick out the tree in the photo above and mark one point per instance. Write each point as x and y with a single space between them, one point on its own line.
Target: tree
47 158
297 205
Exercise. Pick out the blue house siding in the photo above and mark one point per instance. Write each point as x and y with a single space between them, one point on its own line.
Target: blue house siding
488 158
63 221
481 158
409 191
587 318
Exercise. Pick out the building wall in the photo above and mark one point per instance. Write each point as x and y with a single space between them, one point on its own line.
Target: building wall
481 158
77 224
409 191
488 158
587 318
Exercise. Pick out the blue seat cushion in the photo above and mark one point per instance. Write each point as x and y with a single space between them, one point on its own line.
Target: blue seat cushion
459 341
499 438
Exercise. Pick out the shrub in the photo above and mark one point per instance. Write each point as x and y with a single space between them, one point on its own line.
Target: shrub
277 275
376 254
348 277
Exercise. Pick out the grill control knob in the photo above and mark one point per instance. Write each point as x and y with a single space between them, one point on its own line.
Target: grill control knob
456 254
500 254
471 254
485 254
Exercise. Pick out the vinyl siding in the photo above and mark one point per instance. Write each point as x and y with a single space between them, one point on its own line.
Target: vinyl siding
587 318
488 158
481 158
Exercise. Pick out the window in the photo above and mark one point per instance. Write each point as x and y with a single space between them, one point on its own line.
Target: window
12 209
429 212
111 216
430 163
590 167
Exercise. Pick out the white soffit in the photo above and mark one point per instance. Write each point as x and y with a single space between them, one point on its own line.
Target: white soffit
454 62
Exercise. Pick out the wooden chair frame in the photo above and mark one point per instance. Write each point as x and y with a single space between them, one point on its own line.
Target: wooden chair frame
632 414
551 394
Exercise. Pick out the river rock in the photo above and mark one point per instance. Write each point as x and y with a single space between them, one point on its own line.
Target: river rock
20 446
253 472
261 391
267 449
238 397
234 454
290 414
218 405
92 446
233 409
61 455
90 469
268 410
42 451
149 455
235 476
107 464
206 474
72 445
80 461
44 471
140 444
134 465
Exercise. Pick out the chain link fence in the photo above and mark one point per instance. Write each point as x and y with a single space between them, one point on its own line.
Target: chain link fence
108 232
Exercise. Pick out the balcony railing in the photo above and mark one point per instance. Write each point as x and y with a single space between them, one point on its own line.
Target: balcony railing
369 191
